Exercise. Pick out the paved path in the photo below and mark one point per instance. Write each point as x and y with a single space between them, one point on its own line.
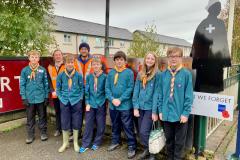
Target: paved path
13 147
231 147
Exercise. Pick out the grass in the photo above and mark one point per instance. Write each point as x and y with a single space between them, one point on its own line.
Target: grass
9 129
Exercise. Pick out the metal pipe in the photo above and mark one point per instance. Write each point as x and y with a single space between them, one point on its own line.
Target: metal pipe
106 46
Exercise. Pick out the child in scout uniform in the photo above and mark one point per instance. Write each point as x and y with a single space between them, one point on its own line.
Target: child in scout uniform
70 94
95 107
119 88
143 97
175 102
34 90
53 70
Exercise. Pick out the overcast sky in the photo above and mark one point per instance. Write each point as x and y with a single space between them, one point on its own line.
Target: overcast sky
177 18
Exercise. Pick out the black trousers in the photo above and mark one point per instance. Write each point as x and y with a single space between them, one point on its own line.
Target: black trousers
31 111
175 133
57 109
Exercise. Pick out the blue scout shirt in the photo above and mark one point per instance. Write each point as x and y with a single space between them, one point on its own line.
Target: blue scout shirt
182 100
98 98
122 90
143 98
73 95
35 90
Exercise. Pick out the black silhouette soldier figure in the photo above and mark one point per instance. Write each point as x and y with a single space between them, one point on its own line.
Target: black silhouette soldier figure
210 51
210 55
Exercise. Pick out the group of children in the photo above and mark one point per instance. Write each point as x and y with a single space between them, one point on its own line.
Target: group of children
166 95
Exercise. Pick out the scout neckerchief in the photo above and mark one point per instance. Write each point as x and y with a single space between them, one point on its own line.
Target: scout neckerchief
117 72
146 77
34 69
96 75
173 73
69 78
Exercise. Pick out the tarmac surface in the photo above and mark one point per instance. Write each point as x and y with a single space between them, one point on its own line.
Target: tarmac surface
13 147
221 143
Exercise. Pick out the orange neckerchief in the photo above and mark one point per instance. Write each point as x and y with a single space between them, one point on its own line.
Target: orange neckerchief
70 77
173 73
34 69
145 78
96 75
117 73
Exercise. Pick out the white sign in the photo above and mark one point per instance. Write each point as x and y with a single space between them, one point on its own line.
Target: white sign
213 105
1 103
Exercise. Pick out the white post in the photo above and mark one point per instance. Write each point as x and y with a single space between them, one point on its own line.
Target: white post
230 24
230 29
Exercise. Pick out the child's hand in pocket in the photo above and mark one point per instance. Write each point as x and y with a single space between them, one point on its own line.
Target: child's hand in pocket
88 107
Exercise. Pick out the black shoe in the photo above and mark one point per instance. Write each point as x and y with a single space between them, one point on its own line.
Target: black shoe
30 139
152 157
112 147
44 137
57 133
144 154
131 153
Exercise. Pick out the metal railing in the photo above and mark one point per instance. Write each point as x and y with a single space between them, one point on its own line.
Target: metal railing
230 88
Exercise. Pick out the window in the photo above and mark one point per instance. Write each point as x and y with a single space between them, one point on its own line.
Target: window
67 38
99 42
83 39
122 44
111 42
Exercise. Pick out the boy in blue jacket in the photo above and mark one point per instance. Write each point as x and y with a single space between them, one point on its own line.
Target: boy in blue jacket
175 103
95 106
34 90
70 93
119 88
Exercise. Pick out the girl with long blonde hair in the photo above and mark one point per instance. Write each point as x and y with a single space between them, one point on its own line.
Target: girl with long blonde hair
143 99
